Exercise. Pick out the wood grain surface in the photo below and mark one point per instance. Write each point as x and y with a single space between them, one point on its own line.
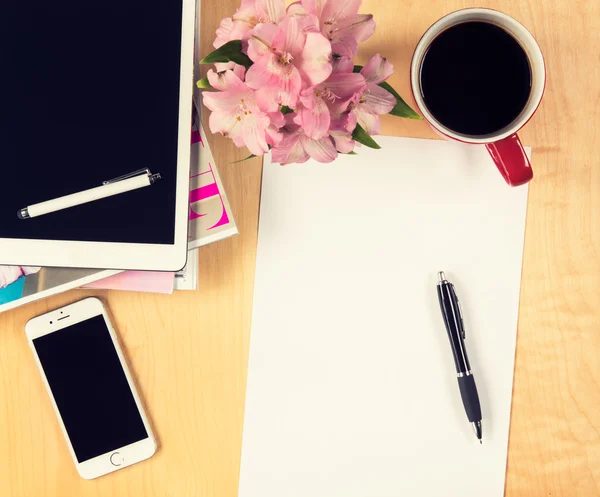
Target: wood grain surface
189 351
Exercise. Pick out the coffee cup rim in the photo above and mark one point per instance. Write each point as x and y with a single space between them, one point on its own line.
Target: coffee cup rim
519 32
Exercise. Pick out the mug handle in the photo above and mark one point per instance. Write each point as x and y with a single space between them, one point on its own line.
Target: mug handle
511 160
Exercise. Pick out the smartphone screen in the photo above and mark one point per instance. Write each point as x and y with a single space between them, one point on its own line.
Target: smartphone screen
90 388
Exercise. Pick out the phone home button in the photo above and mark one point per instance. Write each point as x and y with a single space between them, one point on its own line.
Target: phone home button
116 459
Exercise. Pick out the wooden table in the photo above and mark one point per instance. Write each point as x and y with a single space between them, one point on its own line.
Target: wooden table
189 351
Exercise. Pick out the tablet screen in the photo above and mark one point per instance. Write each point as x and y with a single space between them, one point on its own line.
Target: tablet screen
89 91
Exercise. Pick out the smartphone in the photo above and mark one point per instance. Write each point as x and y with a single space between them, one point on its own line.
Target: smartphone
91 389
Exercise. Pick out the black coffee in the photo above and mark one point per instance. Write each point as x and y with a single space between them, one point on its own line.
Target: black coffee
475 78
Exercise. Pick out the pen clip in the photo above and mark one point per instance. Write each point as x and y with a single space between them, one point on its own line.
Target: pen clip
460 313
129 175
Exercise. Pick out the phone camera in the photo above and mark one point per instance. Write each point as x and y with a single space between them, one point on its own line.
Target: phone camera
50 322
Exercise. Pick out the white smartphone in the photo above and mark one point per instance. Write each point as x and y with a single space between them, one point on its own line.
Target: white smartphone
91 389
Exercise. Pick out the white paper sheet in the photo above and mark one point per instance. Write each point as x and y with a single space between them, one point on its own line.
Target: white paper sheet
352 390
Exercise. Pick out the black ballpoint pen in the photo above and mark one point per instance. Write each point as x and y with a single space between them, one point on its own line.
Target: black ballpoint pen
453 319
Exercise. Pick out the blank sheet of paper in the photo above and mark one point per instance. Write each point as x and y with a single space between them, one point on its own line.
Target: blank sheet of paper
352 390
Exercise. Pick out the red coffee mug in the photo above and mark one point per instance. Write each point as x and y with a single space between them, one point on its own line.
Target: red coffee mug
504 146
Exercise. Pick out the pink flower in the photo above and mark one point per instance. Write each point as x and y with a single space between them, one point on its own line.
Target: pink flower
297 147
341 23
373 101
250 14
238 70
342 64
235 112
318 102
10 274
341 133
284 56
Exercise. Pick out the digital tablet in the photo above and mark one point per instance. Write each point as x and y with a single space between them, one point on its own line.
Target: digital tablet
90 92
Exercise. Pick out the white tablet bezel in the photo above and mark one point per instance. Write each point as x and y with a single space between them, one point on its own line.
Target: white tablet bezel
65 317
141 256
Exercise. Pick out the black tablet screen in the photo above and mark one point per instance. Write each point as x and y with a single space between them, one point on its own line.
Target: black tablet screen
89 91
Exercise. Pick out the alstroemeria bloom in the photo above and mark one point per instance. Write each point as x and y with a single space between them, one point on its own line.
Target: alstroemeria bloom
283 57
374 100
10 274
314 115
341 132
341 23
235 112
238 70
297 147
250 13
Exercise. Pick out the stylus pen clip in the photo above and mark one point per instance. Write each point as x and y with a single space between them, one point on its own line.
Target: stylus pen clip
126 183
145 170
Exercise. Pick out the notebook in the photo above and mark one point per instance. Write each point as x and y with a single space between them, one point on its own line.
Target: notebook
352 389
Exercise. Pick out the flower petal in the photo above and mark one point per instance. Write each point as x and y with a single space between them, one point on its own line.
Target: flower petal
247 13
277 119
344 45
343 141
223 32
241 30
307 97
270 10
369 122
315 122
226 123
345 85
377 70
314 7
238 70
281 79
342 64
226 81
360 26
296 9
321 150
290 37
221 101
254 133
289 150
351 122
377 100
335 10
266 99
314 63
261 40
274 136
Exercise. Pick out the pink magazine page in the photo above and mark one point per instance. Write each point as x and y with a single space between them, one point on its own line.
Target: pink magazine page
137 281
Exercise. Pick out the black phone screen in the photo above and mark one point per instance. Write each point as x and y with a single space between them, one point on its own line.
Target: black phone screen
90 388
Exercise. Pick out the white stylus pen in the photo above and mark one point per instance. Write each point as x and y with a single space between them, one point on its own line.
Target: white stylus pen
126 183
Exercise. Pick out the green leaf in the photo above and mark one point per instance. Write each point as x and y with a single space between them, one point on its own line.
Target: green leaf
351 153
401 109
286 110
203 83
230 52
242 160
357 68
361 136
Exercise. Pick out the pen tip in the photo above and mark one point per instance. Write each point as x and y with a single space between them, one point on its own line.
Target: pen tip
441 276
